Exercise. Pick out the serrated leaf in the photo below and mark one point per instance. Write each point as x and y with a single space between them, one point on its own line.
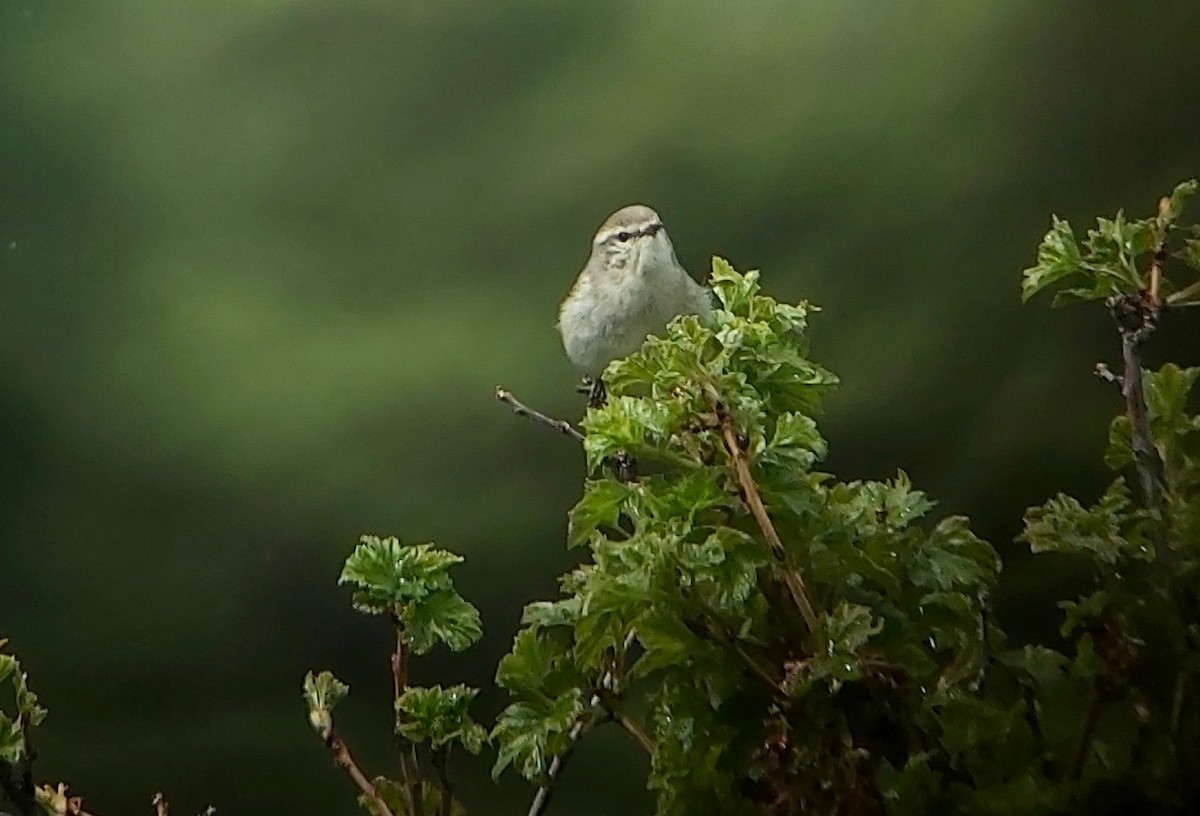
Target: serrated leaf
443 617
1178 198
440 716
1102 532
1058 257
389 573
528 736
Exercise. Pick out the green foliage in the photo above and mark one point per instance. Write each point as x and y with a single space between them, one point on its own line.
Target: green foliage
26 714
684 609
1133 639
412 582
1114 257
439 717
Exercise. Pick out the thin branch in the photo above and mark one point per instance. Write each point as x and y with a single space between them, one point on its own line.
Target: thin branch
521 409
160 804
634 728
1183 297
342 758
542 798
410 769
1177 702
791 574
1160 257
711 629
1137 318
1105 373
446 798
1091 719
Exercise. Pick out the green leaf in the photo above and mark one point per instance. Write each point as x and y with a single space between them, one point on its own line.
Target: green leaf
443 617
1103 532
849 627
1178 198
795 442
1167 392
529 735
539 665
439 716
389 573
1043 666
1058 258
733 290
412 581
600 507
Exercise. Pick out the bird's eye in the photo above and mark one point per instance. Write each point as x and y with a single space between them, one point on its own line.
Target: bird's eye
624 236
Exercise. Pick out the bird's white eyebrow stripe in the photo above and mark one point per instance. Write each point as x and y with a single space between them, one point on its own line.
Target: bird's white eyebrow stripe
648 229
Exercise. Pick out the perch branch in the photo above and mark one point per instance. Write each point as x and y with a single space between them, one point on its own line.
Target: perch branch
521 409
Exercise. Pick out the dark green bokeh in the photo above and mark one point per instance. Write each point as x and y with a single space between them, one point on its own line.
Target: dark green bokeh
262 262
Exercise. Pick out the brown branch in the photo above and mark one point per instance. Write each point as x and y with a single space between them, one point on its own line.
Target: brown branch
1160 257
160 804
1091 719
521 409
1137 318
791 574
342 758
712 630
612 705
410 768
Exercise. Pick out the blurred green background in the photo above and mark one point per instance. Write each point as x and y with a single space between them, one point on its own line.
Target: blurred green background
262 263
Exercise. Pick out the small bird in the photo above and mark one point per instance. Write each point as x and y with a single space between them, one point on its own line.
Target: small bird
631 287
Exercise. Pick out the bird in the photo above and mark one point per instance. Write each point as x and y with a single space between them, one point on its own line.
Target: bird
631 287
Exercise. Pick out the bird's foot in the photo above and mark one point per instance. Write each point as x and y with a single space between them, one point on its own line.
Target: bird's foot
594 388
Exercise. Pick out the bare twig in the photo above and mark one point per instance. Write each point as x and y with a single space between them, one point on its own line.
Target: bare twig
1105 373
160 804
791 574
521 409
341 757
